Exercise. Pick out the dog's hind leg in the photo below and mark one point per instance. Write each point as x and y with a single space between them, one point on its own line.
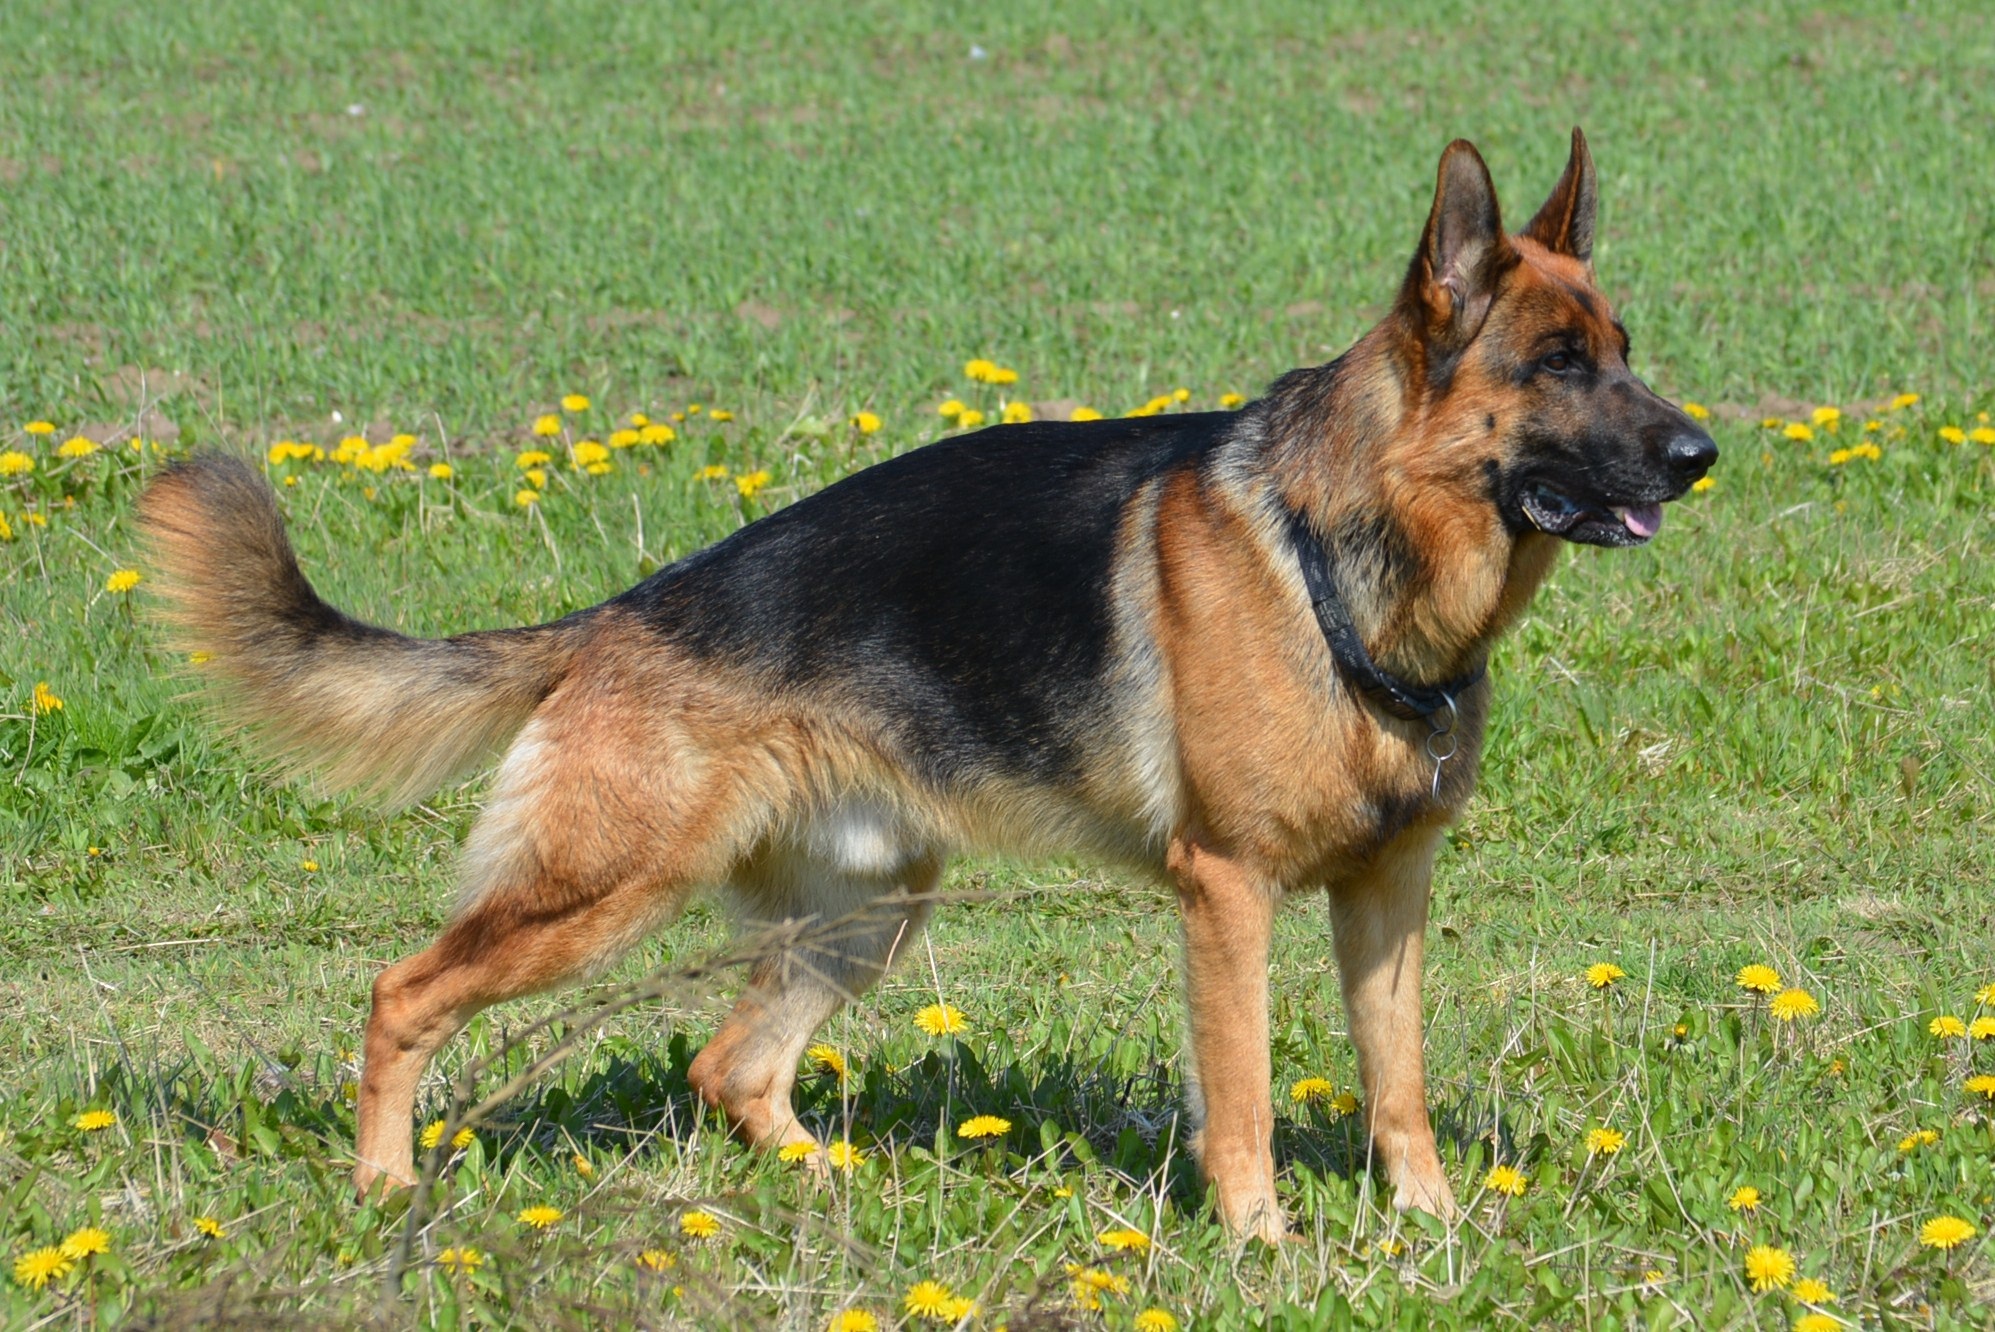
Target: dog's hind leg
846 932
1379 920
587 843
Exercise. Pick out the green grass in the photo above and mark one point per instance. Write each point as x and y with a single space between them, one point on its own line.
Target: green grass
1763 739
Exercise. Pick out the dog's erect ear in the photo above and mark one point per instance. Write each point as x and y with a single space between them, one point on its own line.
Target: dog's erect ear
1463 254
1565 224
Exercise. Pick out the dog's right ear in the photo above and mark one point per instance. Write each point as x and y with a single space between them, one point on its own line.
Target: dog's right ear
1463 255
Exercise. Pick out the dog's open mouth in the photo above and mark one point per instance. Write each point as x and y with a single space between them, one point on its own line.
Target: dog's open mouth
1557 513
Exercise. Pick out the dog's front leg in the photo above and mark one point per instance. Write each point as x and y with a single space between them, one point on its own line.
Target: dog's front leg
1228 916
1380 920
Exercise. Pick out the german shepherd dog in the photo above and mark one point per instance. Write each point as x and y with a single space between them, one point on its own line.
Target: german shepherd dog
1243 651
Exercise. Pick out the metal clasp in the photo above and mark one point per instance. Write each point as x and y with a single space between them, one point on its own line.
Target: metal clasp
1442 742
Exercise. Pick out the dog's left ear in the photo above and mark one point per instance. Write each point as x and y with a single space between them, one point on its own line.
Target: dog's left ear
1565 224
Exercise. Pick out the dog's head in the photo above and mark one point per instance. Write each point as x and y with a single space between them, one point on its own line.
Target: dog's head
1521 350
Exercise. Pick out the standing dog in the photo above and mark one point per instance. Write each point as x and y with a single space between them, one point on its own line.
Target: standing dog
1242 651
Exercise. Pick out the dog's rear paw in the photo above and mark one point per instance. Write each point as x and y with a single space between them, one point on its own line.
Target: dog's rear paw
1429 1194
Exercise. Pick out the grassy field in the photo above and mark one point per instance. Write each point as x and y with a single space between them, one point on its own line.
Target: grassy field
1762 740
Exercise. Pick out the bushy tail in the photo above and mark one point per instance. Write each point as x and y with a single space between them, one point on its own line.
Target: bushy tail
365 708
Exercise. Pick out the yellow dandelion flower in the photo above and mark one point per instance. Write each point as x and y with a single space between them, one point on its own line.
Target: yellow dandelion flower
984 1126
1696 411
941 1020
200 658
1827 418
1951 434
1745 1198
1791 1004
1867 451
1982 1029
1156 1320
1605 1141
751 484
599 469
842 1155
928 1299
524 498
15 463
1873 425
865 422
1798 432
1603 974
441 471
533 458
853 1320
1769 1267
95 1121
694 409
1306 1090
542 1216
433 1134
1015 413
1229 401
547 426
1982 434
309 866
1506 1179
41 1266
699 1225
1770 423
720 414
588 451
1946 1025
979 370
1084 414
1817 1322
656 1260
465 1259
792 1152
951 409
1702 484
574 402
1758 979
6 529
827 1059
1810 1291
1903 400
657 434
623 439
81 1244
77 447
123 580
209 1226
970 419
1982 1084
1124 1239
1344 1103
1945 1232
40 427
1918 1138
1986 994
711 472
1089 1284
1838 457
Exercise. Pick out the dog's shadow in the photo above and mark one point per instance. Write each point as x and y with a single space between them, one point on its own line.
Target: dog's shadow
1064 1115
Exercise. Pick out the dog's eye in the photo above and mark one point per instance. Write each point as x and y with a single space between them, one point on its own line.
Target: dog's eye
1558 362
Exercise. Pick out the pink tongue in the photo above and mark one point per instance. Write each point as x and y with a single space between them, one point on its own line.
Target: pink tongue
1644 520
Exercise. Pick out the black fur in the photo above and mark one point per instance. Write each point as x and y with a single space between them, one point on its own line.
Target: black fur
957 592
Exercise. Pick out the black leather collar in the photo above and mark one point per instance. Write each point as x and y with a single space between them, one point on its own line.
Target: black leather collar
1403 699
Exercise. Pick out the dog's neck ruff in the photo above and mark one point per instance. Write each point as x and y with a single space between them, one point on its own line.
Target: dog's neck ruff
1402 698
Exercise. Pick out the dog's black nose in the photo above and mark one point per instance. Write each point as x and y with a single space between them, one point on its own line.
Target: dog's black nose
1690 453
